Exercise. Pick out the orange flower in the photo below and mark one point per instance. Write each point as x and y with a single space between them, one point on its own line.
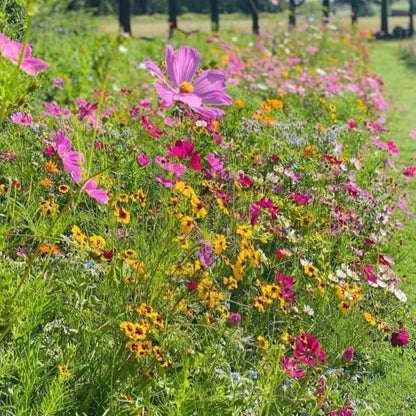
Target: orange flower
51 166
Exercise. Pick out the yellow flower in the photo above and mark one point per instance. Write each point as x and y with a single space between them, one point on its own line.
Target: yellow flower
223 205
310 270
345 307
63 189
187 224
220 243
182 240
370 318
230 282
63 371
198 207
244 231
96 241
259 303
262 342
123 197
121 214
185 189
48 207
140 197
78 235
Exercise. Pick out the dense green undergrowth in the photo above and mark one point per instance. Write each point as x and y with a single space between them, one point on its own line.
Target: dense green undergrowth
156 260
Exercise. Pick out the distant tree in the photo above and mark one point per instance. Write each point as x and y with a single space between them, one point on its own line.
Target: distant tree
293 4
215 13
411 11
354 11
325 6
172 11
124 11
255 15
384 18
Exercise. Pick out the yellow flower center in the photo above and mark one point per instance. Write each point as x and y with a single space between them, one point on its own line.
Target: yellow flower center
186 87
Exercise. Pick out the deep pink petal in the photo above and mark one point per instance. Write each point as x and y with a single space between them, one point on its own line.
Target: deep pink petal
183 66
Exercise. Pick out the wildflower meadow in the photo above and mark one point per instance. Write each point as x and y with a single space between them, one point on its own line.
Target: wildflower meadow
202 225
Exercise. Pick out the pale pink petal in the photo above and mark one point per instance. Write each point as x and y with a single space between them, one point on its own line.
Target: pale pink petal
181 68
413 134
209 86
34 65
152 67
166 94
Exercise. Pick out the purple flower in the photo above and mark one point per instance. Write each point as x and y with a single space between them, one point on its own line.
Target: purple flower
58 82
181 86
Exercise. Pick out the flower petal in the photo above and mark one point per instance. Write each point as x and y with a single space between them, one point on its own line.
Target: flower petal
183 66
166 94
210 85
152 67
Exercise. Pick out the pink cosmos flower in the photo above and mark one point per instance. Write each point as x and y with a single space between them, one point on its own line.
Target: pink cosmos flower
71 160
100 195
11 50
181 86
24 119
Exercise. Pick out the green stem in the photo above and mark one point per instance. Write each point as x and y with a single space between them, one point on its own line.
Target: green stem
25 40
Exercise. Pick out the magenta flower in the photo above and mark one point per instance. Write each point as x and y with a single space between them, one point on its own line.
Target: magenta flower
142 159
11 50
348 355
234 319
181 86
71 160
291 368
399 338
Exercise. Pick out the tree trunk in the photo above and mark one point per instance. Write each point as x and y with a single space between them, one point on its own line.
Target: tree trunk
325 5
384 19
173 24
354 12
292 13
255 16
411 11
215 21
124 15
